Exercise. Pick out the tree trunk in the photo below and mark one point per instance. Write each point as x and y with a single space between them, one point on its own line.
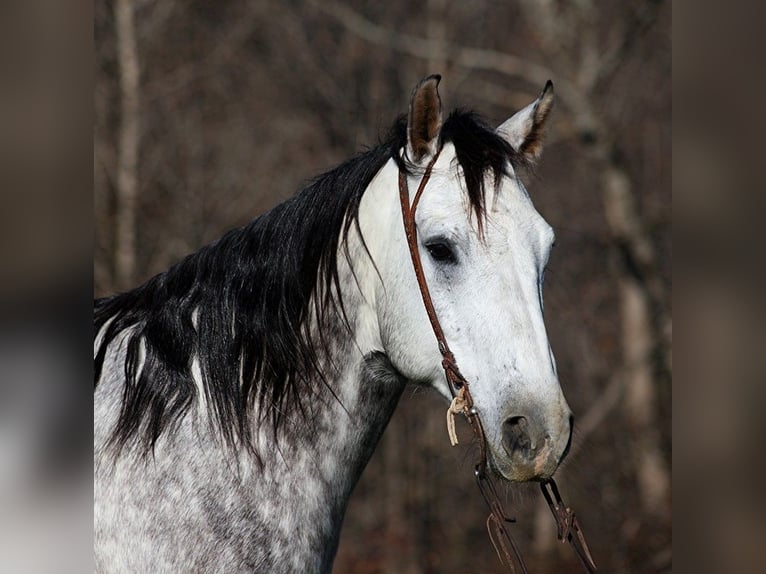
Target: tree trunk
128 142
642 337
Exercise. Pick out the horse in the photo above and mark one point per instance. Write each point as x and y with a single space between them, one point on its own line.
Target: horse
239 395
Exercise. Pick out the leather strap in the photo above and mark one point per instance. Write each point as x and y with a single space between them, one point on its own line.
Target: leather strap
454 377
507 551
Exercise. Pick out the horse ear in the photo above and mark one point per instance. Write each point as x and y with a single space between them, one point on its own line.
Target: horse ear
424 120
524 130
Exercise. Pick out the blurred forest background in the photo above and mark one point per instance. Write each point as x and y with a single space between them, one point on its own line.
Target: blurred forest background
208 113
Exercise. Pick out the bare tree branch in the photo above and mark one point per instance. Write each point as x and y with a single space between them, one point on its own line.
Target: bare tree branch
224 50
643 19
606 402
462 56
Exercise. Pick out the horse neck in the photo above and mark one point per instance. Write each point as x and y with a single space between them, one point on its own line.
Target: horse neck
303 481
322 452
341 418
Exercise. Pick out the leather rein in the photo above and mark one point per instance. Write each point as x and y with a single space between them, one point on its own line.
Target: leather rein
567 524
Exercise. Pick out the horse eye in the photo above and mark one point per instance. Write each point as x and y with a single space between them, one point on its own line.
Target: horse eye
441 251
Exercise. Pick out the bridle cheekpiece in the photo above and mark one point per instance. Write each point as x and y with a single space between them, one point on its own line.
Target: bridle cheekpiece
462 403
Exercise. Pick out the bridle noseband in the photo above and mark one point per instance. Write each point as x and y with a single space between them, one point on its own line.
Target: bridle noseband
566 521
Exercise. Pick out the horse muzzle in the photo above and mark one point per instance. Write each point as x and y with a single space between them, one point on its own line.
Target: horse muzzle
529 450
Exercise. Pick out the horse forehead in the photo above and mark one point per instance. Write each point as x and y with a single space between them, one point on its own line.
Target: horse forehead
510 212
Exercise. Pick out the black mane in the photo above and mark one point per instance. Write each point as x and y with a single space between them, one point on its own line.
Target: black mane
240 305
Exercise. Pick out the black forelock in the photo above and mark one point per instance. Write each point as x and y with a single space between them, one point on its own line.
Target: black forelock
480 152
243 305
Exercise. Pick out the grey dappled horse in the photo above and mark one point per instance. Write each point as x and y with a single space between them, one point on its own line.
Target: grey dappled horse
240 394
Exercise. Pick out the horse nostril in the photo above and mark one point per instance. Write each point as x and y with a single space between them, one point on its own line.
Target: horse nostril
517 439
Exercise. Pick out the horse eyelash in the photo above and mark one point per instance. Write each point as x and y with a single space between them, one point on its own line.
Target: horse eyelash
447 256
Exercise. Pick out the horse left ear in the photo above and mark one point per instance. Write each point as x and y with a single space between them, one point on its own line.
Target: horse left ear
524 129
424 120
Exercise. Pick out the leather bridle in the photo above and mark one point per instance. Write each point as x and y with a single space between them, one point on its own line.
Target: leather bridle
566 521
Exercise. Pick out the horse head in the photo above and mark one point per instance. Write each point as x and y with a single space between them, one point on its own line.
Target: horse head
484 249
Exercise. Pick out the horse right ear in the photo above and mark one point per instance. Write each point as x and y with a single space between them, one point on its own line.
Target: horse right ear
524 130
424 120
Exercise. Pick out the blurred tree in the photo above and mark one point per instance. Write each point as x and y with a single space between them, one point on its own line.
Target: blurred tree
128 142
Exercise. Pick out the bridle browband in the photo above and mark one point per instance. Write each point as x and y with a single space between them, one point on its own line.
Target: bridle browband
566 521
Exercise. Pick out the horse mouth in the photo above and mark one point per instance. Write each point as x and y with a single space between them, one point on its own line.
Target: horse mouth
510 468
528 450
